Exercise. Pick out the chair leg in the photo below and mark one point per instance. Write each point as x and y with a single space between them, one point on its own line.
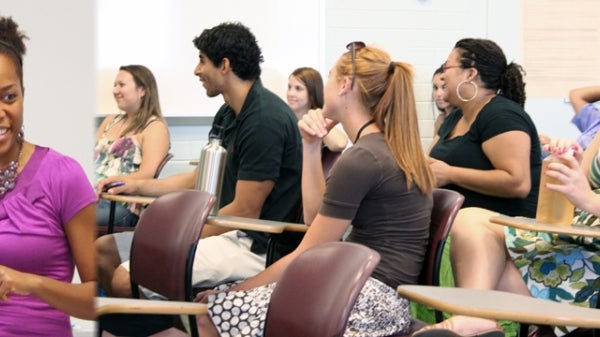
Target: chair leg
270 251
111 218
438 316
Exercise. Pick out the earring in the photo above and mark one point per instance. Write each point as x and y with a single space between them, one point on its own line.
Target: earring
21 136
475 87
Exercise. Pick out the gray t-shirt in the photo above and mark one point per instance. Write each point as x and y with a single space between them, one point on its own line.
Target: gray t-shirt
367 186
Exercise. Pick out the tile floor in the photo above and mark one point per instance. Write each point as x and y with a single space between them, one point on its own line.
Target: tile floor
83 328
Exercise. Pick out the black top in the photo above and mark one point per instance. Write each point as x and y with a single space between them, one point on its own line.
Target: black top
263 143
498 116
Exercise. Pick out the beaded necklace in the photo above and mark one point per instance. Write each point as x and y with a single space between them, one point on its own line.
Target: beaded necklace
8 175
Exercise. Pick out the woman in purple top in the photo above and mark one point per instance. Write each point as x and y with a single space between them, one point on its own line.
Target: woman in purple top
47 212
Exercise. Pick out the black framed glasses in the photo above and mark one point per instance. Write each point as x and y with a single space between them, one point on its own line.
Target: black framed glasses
353 47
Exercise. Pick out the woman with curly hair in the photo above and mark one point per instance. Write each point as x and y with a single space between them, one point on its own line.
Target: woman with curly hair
488 148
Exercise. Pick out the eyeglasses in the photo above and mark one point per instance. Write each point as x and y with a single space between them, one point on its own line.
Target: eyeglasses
446 67
353 47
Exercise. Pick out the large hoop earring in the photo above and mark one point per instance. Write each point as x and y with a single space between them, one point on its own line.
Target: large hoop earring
475 86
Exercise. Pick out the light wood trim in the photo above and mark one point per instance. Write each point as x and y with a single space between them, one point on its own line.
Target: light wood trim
237 222
139 199
228 221
498 305
296 227
559 46
112 305
532 225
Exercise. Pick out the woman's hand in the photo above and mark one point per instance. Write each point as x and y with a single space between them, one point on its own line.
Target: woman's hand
440 170
117 185
202 297
558 147
13 282
313 126
572 181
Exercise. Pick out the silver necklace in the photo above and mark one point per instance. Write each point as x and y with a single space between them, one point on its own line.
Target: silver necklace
8 175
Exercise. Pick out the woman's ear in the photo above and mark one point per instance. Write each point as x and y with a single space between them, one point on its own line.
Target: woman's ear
345 85
473 74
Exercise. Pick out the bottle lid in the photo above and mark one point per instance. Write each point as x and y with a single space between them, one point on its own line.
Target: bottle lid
216 132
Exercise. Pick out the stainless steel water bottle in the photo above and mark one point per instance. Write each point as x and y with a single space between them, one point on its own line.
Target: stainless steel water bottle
211 166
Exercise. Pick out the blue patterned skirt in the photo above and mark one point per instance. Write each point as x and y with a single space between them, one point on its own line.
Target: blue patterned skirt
559 267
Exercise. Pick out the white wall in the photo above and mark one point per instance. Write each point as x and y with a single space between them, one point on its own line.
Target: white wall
552 116
58 73
421 33
60 68
288 33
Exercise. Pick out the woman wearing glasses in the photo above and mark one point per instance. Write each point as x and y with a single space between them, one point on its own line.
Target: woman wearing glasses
381 185
549 266
488 148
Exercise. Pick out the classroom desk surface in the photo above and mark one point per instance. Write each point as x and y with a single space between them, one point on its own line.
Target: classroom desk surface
112 305
127 198
266 226
246 223
501 305
533 225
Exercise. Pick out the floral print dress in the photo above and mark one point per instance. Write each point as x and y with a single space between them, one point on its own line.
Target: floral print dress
560 267
118 157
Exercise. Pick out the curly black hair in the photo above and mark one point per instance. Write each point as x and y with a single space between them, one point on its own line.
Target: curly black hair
489 60
12 43
233 41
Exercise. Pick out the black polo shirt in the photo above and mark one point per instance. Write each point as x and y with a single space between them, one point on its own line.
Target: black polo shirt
263 143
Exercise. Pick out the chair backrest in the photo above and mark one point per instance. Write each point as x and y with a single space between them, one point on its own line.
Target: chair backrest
162 164
165 241
317 291
446 204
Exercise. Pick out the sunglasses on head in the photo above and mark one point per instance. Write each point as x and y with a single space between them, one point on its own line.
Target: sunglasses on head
353 47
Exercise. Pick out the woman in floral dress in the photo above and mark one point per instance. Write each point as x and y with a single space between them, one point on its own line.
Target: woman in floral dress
123 139
549 266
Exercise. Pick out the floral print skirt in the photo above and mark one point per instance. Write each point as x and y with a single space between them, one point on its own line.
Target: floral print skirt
378 311
558 267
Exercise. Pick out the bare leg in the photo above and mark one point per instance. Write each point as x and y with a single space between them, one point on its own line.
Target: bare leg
512 280
477 251
107 261
121 283
479 260
479 256
206 327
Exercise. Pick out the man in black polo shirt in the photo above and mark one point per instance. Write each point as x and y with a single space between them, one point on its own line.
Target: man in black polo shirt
262 174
